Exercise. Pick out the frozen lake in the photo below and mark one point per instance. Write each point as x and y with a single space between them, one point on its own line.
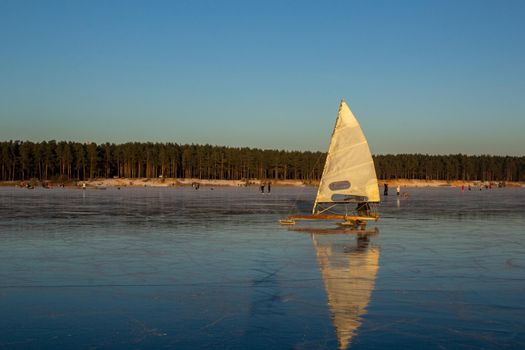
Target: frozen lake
175 268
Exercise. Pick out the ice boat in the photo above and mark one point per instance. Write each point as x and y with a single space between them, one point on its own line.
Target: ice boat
348 190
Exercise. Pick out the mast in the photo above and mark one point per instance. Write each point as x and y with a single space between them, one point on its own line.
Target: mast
328 154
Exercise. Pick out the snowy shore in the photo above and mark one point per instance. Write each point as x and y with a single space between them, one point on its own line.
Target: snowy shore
172 182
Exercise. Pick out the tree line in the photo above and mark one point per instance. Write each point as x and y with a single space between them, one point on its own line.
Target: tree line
52 160
450 167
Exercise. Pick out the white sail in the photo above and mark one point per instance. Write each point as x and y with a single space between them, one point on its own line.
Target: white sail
349 168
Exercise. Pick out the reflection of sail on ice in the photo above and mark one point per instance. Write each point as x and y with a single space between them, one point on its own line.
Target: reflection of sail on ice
348 273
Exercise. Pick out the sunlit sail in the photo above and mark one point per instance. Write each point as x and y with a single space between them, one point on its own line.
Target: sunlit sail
349 173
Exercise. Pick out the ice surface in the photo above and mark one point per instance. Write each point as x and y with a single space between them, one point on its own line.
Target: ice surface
155 268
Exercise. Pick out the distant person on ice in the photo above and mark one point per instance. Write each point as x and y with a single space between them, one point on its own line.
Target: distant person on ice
269 186
262 187
385 191
398 189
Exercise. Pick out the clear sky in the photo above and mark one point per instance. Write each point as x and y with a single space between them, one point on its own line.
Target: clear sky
421 76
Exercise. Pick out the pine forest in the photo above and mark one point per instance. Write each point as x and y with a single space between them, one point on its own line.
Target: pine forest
52 160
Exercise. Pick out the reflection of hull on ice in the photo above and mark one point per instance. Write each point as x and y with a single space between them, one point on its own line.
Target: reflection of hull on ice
349 272
342 230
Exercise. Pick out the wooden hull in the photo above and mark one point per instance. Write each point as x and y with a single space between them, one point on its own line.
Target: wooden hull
287 222
332 217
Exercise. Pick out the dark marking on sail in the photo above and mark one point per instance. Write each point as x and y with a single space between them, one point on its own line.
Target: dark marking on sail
337 197
339 185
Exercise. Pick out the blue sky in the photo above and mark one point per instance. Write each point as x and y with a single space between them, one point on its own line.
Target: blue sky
421 76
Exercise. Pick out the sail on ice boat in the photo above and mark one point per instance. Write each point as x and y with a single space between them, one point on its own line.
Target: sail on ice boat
348 190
